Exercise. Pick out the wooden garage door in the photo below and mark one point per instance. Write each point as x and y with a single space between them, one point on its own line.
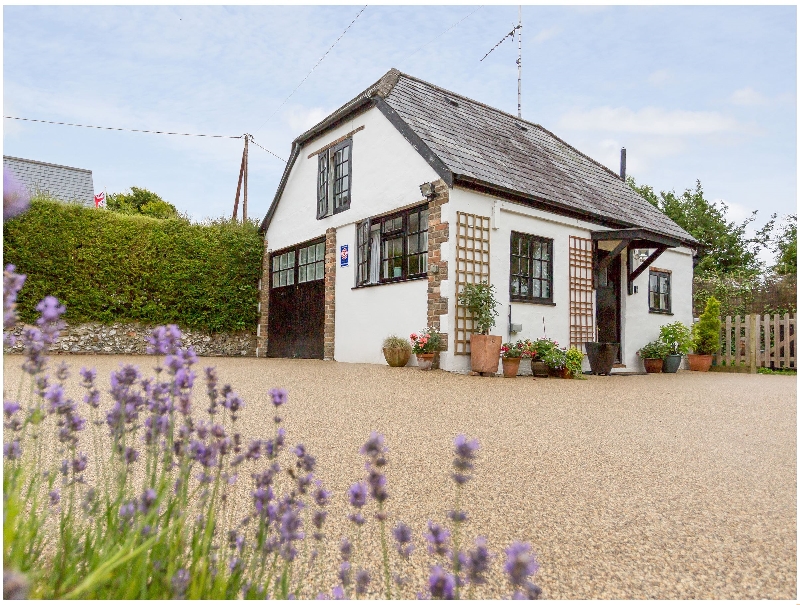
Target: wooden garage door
297 301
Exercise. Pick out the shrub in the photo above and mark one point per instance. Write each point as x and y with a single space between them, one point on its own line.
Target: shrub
654 350
677 336
574 362
110 267
153 523
705 332
480 301
555 358
538 349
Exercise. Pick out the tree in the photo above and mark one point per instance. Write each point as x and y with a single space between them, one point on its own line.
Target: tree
141 201
786 247
724 246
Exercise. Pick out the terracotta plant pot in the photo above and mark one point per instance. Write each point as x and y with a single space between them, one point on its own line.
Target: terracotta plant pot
699 363
672 363
511 366
425 360
653 366
539 369
485 352
397 358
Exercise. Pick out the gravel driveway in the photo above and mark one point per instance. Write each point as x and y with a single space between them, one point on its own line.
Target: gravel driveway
662 486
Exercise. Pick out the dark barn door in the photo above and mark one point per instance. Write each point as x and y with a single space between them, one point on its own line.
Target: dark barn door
297 302
608 300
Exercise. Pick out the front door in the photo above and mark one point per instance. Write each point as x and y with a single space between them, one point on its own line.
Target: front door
297 302
608 299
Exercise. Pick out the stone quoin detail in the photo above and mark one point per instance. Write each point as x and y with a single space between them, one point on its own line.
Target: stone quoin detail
331 258
438 234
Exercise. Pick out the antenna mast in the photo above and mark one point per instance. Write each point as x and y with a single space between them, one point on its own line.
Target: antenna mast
516 29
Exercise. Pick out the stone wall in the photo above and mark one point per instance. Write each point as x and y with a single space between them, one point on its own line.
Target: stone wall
131 339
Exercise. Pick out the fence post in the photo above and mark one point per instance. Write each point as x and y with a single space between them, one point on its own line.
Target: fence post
754 343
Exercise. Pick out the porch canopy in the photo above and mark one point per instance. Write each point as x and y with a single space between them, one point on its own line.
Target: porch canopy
632 239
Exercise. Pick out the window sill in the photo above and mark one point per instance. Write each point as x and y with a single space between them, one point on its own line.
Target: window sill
528 301
389 283
657 312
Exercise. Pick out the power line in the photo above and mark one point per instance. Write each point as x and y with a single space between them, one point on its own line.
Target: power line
182 134
253 141
443 33
312 69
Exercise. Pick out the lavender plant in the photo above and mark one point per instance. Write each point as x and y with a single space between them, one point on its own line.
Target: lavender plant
136 501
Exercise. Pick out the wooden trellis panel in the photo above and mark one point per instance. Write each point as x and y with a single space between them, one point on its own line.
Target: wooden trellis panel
581 294
472 267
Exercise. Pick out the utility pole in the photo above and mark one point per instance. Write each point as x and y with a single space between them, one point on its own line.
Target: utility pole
242 179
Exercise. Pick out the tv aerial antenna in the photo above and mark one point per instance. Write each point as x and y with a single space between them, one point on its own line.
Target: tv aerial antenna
516 31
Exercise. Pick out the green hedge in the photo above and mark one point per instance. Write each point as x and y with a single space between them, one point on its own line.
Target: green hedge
110 267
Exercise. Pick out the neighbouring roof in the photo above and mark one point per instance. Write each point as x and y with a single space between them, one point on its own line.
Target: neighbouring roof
61 182
473 145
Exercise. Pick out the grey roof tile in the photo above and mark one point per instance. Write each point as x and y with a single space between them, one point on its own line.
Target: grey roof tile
65 183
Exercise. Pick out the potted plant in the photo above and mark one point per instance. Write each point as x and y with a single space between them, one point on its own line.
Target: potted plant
512 354
537 351
396 351
574 362
425 345
705 337
602 356
678 338
653 354
480 301
556 361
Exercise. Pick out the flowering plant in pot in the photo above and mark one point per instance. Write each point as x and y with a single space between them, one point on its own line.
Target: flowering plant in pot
512 354
538 350
397 351
705 337
425 345
653 354
556 361
678 339
480 300
574 362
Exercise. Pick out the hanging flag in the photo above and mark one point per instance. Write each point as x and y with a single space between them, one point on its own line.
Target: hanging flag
100 200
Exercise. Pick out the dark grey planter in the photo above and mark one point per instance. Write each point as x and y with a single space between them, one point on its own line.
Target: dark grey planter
672 363
601 356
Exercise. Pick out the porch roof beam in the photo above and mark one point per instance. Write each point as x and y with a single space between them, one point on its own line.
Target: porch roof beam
643 237
612 255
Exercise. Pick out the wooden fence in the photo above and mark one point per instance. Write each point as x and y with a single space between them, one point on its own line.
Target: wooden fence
754 341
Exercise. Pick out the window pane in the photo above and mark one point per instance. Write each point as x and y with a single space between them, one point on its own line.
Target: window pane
320 250
282 278
524 247
545 289
514 265
413 222
537 288
291 258
537 250
303 256
653 282
546 251
413 265
284 259
524 266
537 269
276 280
302 276
289 278
664 285
515 243
423 220
276 263
413 246
320 270
524 288
515 286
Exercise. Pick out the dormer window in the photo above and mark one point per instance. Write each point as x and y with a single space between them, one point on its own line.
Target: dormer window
333 179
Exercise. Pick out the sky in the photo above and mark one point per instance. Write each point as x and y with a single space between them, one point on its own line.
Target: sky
693 93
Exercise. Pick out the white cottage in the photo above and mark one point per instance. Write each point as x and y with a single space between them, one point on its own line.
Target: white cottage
394 201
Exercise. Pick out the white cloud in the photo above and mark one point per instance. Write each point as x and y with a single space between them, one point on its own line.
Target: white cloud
659 78
748 96
650 120
546 34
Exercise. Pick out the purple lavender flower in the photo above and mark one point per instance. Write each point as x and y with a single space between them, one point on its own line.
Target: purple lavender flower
55 497
279 396
377 486
344 574
321 496
34 348
318 518
465 454
10 408
261 498
12 284
441 584
147 500
233 402
457 516
520 563
62 372
79 463
529 592
438 538
290 525
280 439
362 581
337 593
180 582
477 563
126 511
16 197
358 494
374 449
346 549
204 454
164 340
402 534
254 450
357 518
184 378
88 375
49 322
131 455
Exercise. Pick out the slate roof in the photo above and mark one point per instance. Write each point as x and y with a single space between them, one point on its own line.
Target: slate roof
474 145
65 183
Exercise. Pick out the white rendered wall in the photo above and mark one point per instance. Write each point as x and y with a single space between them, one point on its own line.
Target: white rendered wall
639 325
386 174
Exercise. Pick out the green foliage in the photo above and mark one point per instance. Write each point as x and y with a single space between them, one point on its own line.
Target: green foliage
725 247
654 350
778 371
742 293
109 267
141 201
574 362
482 303
786 247
555 358
705 332
677 336
395 342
